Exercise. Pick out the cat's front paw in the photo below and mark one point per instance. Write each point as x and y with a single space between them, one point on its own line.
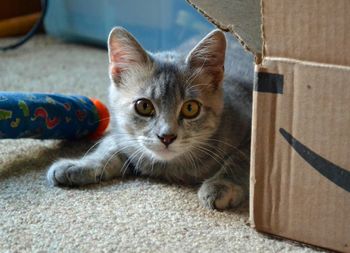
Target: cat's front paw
71 173
220 194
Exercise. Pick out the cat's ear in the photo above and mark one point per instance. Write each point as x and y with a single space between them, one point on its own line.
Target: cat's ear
206 60
125 53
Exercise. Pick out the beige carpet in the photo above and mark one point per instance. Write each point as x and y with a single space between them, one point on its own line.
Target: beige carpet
121 216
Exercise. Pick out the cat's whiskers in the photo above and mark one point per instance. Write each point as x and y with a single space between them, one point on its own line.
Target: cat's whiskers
138 161
231 146
209 153
225 143
220 162
153 161
99 141
217 148
192 161
234 163
94 145
225 157
185 160
130 160
110 158
125 143
202 147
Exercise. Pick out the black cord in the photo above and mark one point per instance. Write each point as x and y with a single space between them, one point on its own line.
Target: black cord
32 32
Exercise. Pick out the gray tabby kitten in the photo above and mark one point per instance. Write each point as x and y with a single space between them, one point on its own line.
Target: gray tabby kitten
173 117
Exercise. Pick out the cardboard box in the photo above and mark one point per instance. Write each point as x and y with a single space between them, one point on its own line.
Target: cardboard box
300 167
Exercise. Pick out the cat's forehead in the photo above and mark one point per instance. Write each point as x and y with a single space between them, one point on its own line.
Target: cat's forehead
167 81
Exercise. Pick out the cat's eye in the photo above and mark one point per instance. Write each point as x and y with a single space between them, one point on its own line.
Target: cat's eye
144 107
190 109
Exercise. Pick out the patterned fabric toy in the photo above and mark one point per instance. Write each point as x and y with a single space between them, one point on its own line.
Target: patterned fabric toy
51 116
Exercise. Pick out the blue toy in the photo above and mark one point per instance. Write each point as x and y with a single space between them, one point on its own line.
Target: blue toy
51 116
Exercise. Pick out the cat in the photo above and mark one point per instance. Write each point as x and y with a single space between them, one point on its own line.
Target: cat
173 116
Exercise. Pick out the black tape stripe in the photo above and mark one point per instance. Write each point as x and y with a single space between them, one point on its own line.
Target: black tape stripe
268 82
333 172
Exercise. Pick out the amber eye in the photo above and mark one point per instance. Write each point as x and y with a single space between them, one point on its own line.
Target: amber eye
144 107
190 109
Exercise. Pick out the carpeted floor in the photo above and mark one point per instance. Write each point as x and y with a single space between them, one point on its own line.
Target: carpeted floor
137 215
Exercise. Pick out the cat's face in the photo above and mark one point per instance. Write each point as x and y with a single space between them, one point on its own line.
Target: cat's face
166 105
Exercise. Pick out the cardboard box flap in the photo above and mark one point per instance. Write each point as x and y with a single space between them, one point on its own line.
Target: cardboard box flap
242 18
313 30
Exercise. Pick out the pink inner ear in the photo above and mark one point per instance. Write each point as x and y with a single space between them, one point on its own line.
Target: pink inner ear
119 61
117 56
122 59
115 71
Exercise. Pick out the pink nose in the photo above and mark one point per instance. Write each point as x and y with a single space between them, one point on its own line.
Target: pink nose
167 139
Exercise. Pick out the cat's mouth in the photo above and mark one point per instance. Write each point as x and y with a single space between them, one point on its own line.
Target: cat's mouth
163 153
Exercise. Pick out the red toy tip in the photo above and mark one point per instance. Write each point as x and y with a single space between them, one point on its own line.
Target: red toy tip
104 116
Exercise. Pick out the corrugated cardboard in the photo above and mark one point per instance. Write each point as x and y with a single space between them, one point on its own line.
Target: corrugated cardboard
243 21
300 169
291 197
312 30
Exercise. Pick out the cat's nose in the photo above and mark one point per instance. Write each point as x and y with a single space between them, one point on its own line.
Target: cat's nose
167 139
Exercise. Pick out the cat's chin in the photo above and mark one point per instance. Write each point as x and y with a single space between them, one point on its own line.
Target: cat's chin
164 154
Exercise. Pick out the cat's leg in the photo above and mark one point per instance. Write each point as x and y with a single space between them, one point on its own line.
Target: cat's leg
102 164
228 187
